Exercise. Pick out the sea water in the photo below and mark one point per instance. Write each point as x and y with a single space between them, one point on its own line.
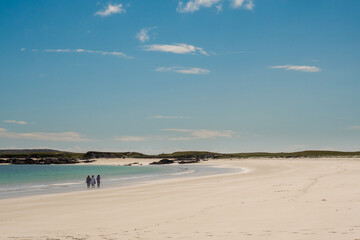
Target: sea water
23 180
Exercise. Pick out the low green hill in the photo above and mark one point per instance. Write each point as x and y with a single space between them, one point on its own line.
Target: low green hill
49 153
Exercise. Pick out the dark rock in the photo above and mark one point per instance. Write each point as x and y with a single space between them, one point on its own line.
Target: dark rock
5 161
163 161
93 154
88 161
20 161
189 161
29 161
134 163
59 160
43 161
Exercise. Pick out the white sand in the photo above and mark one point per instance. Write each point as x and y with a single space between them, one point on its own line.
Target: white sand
278 199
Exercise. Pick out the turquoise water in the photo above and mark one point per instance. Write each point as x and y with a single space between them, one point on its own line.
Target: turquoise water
12 175
24 180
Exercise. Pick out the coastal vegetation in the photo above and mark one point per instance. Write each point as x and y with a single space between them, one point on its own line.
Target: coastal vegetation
48 156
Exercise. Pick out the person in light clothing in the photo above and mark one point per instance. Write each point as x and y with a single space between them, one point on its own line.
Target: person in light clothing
93 181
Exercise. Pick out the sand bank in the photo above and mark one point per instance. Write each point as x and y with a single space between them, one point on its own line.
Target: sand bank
277 199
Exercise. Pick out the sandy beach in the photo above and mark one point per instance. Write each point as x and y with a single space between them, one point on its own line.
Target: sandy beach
275 199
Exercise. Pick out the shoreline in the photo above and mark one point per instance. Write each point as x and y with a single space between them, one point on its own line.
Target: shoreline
277 199
164 173
146 161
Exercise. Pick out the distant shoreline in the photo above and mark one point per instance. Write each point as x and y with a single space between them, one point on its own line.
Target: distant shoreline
49 156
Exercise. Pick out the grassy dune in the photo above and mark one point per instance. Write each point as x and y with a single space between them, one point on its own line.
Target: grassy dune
178 155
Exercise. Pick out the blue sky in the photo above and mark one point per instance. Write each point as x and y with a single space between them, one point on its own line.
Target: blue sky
169 75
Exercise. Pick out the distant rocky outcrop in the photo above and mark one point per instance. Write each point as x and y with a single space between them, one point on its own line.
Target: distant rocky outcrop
163 161
22 161
27 151
133 164
188 161
93 154
88 161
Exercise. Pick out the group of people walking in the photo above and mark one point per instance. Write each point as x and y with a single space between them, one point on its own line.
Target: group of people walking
92 181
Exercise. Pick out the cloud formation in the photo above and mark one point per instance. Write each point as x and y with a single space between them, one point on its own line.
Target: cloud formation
354 128
199 134
177 48
187 134
143 34
183 70
130 138
16 122
120 54
110 10
45 136
298 68
246 4
195 5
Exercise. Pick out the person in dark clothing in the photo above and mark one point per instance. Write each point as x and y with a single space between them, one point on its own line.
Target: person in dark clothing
88 180
98 180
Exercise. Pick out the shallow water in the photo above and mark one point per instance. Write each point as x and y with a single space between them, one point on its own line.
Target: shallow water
12 175
23 180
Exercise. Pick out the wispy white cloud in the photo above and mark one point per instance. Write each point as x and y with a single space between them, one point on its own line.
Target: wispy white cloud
16 122
110 10
130 138
22 49
45 136
246 4
178 48
195 5
167 117
183 70
199 134
144 34
357 128
62 50
114 53
298 68
184 134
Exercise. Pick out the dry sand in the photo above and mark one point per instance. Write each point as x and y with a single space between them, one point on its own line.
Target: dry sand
278 199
